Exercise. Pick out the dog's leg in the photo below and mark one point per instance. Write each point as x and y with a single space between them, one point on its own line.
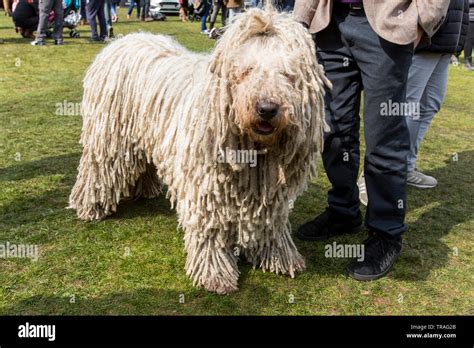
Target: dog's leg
102 182
148 185
279 256
211 262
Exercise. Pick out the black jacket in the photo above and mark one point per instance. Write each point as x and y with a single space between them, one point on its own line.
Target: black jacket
451 36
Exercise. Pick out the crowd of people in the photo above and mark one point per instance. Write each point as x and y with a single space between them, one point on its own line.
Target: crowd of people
41 19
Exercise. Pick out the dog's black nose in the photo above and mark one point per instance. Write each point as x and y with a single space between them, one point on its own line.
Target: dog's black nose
267 110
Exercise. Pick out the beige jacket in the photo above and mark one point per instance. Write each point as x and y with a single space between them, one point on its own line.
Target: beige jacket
396 21
234 3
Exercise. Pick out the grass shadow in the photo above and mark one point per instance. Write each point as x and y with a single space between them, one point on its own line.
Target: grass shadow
143 301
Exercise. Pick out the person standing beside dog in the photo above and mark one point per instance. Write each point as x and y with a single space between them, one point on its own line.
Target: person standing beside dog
367 45
427 82
45 7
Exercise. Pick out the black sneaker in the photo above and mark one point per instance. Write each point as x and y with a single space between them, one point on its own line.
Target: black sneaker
329 224
58 42
380 253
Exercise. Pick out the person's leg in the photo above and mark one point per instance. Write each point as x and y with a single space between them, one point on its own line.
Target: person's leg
146 9
83 11
384 67
58 20
108 13
138 8
231 14
102 21
342 103
341 143
130 7
223 14
419 74
44 8
92 8
431 100
215 12
204 18
468 45
113 9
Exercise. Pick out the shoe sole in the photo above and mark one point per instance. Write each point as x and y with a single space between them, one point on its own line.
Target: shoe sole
354 230
366 278
421 186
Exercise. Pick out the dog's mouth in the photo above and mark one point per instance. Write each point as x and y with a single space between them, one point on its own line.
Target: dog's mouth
263 127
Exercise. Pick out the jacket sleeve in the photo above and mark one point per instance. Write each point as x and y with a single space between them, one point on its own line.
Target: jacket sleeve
304 11
431 14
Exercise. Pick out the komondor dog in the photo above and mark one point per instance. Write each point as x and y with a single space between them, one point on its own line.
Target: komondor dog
156 114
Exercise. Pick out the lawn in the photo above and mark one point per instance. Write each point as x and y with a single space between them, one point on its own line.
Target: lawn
133 262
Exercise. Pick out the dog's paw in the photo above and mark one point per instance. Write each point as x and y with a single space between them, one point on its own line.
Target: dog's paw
219 286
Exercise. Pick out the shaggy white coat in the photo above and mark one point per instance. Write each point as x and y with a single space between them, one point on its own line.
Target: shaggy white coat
155 113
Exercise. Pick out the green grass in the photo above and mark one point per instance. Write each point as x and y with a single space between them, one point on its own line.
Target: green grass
89 261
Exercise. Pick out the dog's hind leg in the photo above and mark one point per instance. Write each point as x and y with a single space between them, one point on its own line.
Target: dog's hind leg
103 180
211 262
148 184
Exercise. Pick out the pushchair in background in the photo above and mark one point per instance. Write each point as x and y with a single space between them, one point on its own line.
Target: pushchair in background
72 17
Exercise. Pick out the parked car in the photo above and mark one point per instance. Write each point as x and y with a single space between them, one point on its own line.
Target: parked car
164 6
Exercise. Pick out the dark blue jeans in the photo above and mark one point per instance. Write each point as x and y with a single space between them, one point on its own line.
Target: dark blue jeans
130 7
355 58
145 4
204 15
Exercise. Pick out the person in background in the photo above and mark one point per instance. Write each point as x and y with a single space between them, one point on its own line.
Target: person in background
83 13
113 9
366 46
218 6
470 39
45 7
427 81
183 10
130 8
145 10
234 7
94 10
108 17
202 10
26 17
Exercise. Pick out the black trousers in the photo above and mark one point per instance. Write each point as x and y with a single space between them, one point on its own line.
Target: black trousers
469 42
355 58
94 10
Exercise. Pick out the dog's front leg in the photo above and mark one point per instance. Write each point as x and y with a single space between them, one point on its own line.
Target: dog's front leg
279 255
210 262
